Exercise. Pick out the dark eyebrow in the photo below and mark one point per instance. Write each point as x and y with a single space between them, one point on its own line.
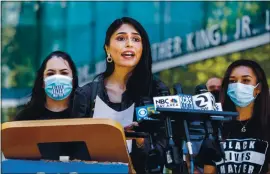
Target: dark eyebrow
242 76
60 70
126 33
246 76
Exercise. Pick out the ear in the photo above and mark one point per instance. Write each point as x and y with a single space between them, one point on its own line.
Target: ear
258 89
107 49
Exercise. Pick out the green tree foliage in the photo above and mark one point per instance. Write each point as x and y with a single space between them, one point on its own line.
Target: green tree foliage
200 72
19 45
225 13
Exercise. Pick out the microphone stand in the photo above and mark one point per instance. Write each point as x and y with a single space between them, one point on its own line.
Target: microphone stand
152 163
173 159
184 168
220 140
214 143
189 147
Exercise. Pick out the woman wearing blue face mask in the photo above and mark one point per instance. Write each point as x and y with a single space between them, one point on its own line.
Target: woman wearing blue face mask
51 98
246 140
53 89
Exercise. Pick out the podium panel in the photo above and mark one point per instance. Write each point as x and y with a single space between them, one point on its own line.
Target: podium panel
29 166
104 138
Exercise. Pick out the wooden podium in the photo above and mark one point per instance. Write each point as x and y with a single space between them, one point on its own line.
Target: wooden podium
104 138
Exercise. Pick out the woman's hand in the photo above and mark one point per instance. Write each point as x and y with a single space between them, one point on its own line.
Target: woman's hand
129 128
208 169
140 142
196 170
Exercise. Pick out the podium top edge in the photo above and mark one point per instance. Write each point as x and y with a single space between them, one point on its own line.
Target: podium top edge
62 122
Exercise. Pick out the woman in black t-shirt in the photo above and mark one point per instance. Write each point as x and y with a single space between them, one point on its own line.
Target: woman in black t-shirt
245 90
53 89
51 98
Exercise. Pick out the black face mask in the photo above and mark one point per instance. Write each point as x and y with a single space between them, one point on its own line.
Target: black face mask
216 95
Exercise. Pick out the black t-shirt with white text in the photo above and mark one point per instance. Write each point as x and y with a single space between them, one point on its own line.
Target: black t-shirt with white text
245 152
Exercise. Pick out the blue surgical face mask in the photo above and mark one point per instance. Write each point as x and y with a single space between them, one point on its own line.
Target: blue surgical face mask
58 87
241 94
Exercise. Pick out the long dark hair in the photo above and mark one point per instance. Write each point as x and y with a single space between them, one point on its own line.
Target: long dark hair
38 96
261 110
140 82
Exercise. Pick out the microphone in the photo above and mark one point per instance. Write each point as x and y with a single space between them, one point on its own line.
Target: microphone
180 101
153 164
145 109
143 112
172 101
199 89
153 158
172 154
177 89
204 101
145 101
186 103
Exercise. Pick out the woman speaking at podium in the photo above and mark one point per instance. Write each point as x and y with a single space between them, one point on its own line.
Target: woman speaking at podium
127 78
246 140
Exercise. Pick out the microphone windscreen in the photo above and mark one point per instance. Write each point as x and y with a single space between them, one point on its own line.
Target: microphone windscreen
177 89
199 89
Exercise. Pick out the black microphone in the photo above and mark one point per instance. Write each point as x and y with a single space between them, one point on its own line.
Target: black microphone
164 92
201 101
146 108
153 164
146 101
210 141
199 89
173 154
178 90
